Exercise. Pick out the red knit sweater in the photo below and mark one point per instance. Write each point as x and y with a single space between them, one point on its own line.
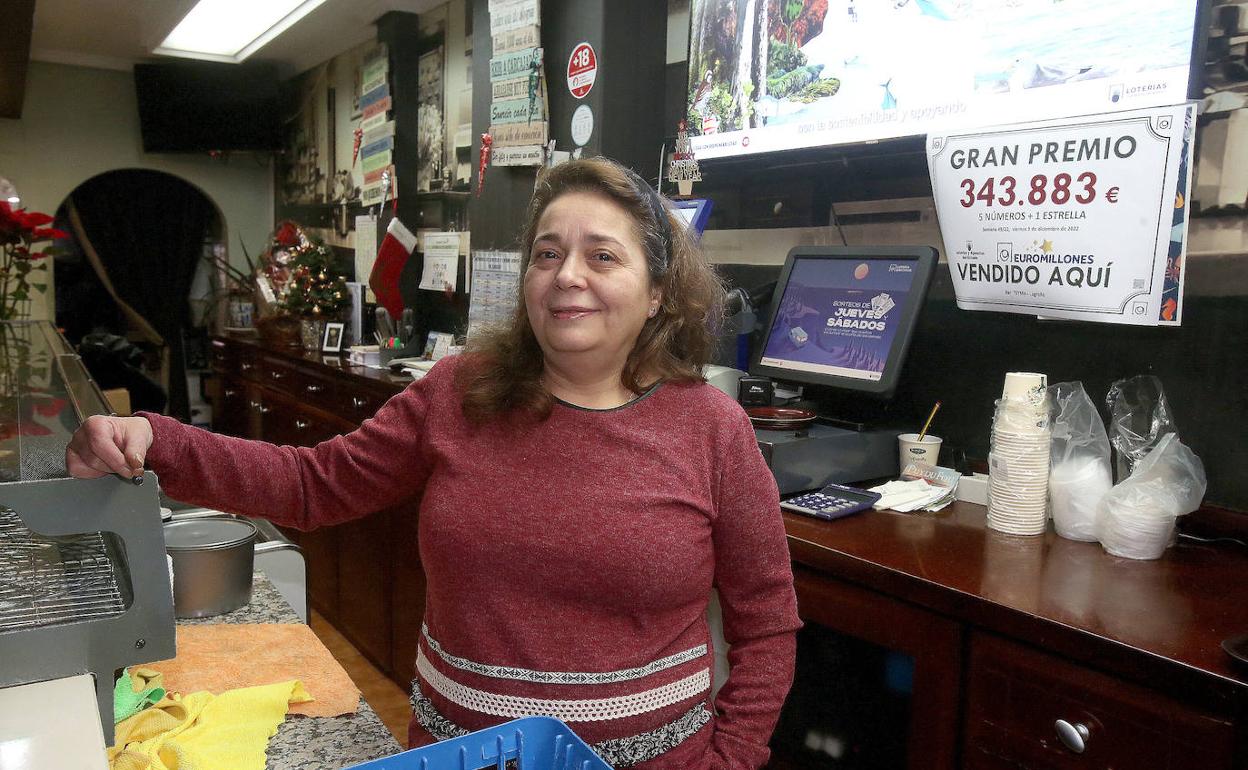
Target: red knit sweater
568 563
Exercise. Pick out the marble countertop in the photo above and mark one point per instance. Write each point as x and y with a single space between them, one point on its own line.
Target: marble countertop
302 742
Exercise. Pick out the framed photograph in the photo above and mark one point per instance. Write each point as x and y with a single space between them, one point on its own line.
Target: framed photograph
333 337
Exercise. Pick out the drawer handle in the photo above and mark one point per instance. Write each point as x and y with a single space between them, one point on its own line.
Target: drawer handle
1073 736
276 375
230 392
358 402
259 407
246 367
314 388
302 424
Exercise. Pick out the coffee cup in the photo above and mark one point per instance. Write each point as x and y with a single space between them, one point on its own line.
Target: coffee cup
1024 384
911 449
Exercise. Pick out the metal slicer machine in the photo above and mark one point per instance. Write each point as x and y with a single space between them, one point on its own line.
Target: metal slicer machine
84 585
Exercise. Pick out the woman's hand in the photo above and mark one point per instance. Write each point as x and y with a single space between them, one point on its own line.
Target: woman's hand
104 445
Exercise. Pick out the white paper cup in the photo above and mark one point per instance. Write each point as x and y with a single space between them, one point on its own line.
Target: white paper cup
910 449
1024 384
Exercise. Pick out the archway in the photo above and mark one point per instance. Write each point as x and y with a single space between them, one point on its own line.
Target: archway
137 236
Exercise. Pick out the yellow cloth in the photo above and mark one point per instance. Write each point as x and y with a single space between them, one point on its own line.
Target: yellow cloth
201 731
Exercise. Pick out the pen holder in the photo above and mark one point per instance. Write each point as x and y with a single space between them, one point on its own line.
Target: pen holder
407 351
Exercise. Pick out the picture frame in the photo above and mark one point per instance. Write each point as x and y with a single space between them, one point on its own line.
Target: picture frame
437 345
332 342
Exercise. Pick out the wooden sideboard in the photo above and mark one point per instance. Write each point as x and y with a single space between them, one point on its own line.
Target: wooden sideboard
1011 634
364 576
1006 635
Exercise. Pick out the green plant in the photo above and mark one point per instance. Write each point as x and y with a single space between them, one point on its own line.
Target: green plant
783 57
20 230
792 11
236 280
724 107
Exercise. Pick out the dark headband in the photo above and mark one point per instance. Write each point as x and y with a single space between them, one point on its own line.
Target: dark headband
660 214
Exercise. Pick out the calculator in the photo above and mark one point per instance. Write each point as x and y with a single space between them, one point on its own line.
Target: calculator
831 502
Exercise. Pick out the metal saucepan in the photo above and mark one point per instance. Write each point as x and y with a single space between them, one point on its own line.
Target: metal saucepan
213 558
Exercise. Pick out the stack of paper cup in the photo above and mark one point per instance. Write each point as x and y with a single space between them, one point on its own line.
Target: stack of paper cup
1018 463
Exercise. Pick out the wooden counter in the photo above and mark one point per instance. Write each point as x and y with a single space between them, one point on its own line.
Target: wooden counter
1161 620
1010 634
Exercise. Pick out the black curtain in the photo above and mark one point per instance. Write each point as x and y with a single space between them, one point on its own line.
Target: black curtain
148 229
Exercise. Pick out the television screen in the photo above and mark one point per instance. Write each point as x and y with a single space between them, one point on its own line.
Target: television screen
204 106
808 73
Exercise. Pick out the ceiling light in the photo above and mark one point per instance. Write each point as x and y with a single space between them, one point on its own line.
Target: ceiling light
8 192
231 30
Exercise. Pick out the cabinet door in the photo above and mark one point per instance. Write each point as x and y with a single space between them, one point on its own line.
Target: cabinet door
877 683
1016 695
228 397
284 422
350 580
364 585
408 594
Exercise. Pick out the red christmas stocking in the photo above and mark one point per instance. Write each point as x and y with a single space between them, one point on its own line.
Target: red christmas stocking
396 247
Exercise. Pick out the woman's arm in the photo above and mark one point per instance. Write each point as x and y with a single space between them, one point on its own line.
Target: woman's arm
755 581
381 463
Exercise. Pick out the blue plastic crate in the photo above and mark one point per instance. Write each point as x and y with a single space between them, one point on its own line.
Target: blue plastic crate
534 743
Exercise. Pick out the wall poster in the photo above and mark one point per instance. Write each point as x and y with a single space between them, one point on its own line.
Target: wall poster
430 151
1081 218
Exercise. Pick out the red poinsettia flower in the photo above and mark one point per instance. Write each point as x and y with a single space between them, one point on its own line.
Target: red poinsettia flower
287 234
47 233
19 230
33 219
10 223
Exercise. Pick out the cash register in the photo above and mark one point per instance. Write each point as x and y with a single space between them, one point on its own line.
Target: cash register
840 322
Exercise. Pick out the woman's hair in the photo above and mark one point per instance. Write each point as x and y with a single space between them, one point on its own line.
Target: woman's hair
502 371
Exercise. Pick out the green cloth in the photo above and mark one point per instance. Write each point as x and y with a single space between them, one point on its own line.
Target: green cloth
134 692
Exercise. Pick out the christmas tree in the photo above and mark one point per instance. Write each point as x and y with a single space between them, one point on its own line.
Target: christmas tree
315 290
684 169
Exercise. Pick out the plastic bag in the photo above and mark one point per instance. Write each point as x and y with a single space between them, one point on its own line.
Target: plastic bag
1136 518
1079 474
1139 416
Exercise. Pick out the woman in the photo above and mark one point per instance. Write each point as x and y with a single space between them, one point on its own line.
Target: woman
582 489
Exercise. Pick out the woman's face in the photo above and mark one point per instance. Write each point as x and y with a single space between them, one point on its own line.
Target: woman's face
587 289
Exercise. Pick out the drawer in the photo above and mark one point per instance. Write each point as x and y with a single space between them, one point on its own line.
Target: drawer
302 383
286 421
277 372
248 360
361 403
1016 696
317 390
221 356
